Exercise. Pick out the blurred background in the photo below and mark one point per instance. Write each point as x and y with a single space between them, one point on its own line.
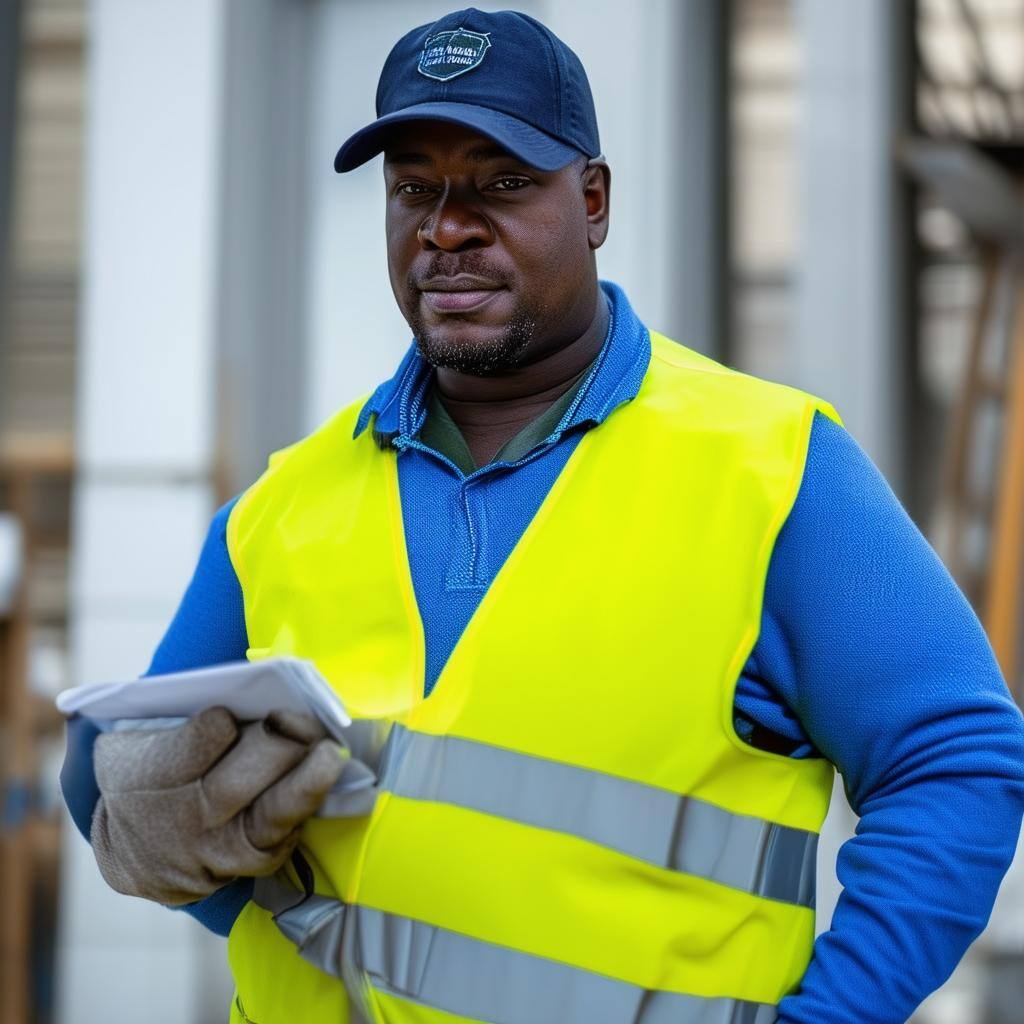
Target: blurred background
822 192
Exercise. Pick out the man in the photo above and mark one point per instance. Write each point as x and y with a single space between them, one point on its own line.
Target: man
617 610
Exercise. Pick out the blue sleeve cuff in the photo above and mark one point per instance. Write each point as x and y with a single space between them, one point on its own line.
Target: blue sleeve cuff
220 910
77 778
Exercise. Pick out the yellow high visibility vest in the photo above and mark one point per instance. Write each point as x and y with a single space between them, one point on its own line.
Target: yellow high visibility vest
569 831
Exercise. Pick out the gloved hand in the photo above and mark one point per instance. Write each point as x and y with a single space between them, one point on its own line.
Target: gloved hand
184 811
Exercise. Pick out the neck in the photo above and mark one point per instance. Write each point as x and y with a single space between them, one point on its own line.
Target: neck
491 410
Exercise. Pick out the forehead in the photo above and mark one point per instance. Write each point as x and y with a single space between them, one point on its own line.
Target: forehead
436 142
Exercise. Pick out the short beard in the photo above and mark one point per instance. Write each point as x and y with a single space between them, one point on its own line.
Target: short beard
478 360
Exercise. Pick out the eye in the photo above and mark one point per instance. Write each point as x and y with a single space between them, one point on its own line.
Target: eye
411 188
509 183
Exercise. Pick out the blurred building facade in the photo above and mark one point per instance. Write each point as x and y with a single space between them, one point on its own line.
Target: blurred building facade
189 286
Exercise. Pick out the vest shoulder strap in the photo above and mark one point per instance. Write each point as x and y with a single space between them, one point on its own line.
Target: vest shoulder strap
729 381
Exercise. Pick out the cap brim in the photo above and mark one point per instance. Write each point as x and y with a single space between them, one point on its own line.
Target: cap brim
522 140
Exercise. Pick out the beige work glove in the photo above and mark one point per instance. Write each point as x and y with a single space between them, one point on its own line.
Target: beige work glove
184 811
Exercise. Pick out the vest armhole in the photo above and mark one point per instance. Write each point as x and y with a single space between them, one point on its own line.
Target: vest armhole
811 405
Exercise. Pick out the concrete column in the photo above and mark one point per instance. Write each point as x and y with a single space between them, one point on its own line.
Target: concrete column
852 338
697 176
264 218
145 441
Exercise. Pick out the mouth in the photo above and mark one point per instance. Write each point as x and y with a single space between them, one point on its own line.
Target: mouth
460 294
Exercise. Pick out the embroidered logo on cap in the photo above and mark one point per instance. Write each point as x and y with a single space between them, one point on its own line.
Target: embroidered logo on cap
451 53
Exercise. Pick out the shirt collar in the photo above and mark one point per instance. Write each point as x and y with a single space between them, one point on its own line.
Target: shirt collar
399 404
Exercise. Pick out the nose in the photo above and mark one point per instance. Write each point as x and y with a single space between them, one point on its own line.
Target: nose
454 224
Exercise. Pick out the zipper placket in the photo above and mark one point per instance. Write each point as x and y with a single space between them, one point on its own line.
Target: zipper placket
402 443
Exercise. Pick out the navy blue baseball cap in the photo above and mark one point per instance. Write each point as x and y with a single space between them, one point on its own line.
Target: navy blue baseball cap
503 74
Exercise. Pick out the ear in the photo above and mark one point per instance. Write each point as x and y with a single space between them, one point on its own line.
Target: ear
597 184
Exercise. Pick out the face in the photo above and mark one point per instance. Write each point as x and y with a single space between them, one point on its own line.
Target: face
491 261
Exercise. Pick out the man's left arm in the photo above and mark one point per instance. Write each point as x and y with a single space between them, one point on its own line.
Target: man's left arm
871 644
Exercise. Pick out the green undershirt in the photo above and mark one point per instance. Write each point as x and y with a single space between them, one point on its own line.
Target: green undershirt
442 433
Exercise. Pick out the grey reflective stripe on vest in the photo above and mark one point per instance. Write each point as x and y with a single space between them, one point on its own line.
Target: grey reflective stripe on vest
654 825
471 978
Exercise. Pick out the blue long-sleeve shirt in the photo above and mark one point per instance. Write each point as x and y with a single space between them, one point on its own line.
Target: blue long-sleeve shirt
868 655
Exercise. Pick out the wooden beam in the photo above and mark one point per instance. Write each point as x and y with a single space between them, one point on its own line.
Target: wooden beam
16 770
1003 600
